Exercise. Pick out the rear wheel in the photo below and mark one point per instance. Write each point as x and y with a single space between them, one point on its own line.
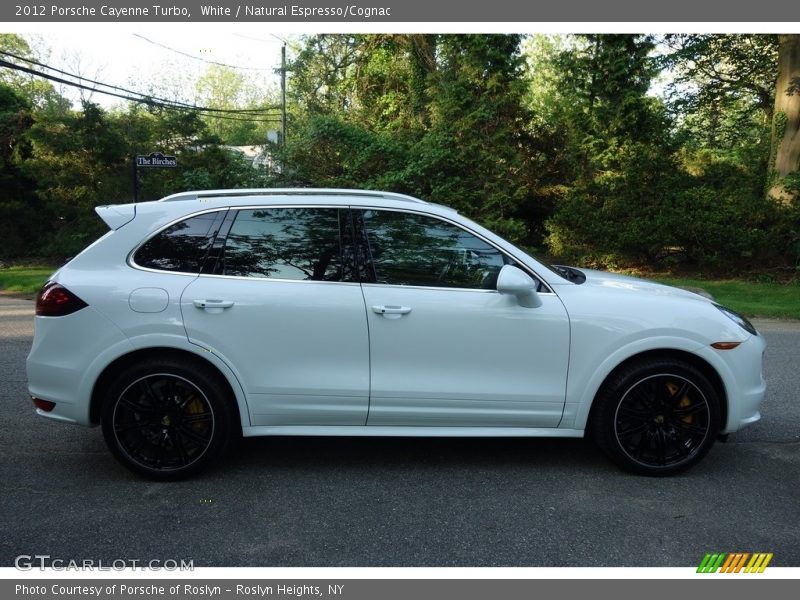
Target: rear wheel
656 417
166 419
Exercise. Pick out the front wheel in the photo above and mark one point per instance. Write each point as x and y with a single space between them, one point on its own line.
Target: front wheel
166 419
656 417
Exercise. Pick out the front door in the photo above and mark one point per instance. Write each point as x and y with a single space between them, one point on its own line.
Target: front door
446 349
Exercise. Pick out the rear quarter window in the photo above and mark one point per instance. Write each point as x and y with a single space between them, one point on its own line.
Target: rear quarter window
181 247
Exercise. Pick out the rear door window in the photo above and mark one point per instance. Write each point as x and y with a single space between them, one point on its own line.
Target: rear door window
298 244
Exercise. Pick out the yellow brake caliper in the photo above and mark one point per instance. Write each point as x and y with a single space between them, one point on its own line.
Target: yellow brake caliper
672 388
195 407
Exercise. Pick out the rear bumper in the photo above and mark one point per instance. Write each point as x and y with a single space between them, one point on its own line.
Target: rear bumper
65 360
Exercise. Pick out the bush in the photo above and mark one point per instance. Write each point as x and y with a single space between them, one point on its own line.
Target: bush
653 211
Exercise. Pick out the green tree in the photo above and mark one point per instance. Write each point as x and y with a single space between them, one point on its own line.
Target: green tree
85 158
475 154
736 110
226 88
77 161
40 93
437 116
380 81
327 151
202 162
736 72
609 77
323 74
19 210
722 95
622 173
651 189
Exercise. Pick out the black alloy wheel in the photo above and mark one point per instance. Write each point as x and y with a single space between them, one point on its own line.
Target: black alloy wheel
166 421
656 417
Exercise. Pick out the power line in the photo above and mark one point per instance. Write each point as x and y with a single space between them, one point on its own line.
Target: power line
211 62
254 39
293 45
81 78
125 94
148 97
141 100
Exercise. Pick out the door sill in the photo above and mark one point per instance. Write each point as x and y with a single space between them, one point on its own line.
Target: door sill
386 431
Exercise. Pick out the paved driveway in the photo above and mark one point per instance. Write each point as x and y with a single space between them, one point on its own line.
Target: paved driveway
398 502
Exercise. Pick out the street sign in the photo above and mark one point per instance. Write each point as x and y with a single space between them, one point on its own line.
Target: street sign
156 160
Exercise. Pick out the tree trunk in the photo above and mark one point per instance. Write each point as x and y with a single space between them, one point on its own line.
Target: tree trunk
786 119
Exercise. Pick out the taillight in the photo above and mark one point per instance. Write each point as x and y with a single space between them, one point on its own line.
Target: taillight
44 405
54 300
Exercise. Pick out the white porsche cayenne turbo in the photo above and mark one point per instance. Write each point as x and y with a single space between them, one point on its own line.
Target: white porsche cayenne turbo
209 315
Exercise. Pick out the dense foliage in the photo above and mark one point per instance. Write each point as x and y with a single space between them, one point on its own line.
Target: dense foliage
609 150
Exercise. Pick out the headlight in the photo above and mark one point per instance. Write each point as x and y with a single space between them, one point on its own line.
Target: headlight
738 319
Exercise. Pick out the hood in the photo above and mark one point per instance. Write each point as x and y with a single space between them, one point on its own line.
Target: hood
624 282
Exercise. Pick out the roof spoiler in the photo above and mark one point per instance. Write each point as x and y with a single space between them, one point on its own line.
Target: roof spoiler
116 215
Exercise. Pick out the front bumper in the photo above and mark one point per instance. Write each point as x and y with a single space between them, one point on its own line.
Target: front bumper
746 386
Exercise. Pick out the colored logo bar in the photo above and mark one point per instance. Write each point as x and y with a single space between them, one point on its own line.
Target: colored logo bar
735 562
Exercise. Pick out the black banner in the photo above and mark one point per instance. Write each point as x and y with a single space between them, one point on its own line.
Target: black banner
393 11
395 589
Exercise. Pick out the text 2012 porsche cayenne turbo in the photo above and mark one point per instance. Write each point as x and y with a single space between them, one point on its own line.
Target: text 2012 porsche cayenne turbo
208 315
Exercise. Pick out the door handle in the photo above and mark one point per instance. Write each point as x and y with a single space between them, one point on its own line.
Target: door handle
213 303
391 310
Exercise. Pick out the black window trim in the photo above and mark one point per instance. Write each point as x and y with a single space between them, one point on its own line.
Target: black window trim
212 256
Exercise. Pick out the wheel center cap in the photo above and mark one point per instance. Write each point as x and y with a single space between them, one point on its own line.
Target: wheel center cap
659 419
166 421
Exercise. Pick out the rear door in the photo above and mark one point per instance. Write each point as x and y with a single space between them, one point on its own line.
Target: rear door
280 304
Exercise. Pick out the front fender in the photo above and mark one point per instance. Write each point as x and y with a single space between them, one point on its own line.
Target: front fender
583 384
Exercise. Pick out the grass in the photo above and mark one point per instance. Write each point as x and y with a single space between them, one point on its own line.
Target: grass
25 281
752 299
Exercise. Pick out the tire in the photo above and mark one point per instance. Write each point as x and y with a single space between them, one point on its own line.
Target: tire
167 419
656 417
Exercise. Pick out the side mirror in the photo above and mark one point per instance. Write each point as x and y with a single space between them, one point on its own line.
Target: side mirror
515 282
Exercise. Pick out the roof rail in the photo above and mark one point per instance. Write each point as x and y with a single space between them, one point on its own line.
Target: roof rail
233 193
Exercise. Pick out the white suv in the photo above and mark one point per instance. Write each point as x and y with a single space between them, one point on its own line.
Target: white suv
208 315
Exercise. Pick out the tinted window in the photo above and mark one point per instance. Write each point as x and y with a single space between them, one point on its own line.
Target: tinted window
181 247
287 243
411 249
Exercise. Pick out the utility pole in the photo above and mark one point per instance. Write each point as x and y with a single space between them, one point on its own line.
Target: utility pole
283 95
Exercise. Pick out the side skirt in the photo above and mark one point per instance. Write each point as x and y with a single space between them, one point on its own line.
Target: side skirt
381 431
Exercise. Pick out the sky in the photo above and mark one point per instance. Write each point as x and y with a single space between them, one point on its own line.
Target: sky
170 59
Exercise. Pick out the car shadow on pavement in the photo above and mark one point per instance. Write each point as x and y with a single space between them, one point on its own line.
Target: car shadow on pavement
413 453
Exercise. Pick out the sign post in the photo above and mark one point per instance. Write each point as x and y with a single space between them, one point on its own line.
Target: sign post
154 160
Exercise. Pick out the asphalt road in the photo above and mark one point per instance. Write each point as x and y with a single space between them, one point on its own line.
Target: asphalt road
398 502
